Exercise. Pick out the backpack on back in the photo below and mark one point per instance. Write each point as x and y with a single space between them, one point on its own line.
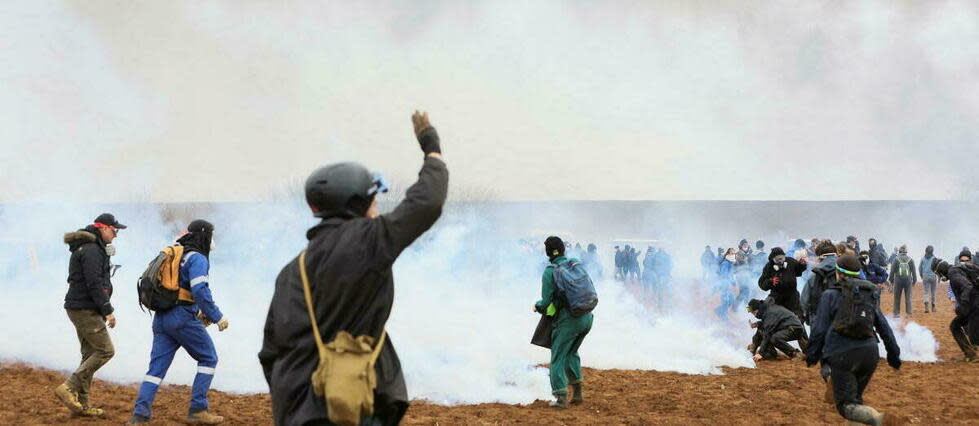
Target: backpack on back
904 268
576 287
820 284
159 286
858 309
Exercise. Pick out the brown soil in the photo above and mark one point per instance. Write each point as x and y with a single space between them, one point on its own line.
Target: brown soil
777 392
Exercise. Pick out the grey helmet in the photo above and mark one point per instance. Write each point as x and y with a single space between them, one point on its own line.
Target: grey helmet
342 190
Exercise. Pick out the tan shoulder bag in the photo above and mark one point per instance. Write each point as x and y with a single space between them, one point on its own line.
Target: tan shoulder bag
345 375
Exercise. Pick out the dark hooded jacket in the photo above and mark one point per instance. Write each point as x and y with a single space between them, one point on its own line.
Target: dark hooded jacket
785 293
878 256
962 279
349 266
774 318
823 276
89 287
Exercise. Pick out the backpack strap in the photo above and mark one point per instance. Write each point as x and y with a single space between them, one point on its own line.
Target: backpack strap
312 315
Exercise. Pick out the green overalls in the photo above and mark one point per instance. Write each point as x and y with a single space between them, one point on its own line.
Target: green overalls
567 336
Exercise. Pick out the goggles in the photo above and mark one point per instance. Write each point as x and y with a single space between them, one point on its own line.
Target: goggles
378 185
115 231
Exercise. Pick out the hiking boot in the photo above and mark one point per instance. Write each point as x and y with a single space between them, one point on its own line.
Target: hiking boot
863 414
69 398
926 309
933 307
561 401
828 396
137 419
577 394
89 411
204 418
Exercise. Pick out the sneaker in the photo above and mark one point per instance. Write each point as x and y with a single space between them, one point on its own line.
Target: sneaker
137 419
69 398
204 418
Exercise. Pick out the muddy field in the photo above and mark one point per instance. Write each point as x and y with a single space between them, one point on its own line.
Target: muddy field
777 392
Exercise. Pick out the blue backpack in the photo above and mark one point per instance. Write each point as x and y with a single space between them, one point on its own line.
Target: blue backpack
575 286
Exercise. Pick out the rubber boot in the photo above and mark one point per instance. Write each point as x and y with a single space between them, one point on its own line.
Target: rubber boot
560 401
933 307
137 419
863 414
69 398
204 418
577 394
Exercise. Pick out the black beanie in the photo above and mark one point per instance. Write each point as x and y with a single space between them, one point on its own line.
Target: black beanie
940 267
755 304
743 242
553 247
929 250
965 253
759 244
849 263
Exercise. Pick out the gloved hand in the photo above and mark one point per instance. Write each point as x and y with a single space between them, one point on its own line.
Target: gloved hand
428 138
223 324
894 361
776 280
203 319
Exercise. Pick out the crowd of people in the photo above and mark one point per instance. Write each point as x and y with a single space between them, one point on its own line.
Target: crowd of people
340 290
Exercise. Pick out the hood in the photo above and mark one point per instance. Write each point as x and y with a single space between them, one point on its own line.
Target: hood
775 252
80 237
903 257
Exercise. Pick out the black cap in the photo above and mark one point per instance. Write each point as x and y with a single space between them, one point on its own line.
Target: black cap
200 225
110 220
755 304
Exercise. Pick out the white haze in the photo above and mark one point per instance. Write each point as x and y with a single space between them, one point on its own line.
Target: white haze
147 101
535 100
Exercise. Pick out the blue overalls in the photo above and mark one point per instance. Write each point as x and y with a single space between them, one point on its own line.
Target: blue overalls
179 328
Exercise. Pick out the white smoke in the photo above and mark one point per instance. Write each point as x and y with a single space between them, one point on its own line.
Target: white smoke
917 343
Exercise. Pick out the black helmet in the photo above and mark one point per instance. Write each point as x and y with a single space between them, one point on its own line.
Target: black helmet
343 190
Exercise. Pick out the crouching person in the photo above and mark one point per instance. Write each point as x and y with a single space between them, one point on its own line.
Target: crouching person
183 326
844 335
568 295
778 327
340 291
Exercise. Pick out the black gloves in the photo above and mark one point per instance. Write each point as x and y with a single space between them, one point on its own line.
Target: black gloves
429 141
894 361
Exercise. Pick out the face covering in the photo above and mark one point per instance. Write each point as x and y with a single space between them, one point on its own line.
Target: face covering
213 244
110 250
730 258
864 259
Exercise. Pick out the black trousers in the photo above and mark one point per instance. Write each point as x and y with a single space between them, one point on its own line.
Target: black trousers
851 372
780 340
958 327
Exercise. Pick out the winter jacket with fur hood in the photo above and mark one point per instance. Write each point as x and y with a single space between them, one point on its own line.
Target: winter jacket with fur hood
89 287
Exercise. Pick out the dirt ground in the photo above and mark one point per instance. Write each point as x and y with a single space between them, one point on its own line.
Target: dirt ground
777 392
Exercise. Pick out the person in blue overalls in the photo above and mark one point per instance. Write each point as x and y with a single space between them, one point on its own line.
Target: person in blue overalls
184 327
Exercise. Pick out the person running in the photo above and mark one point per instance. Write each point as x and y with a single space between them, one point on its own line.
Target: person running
779 279
903 278
848 342
963 280
342 287
89 309
569 330
929 279
184 326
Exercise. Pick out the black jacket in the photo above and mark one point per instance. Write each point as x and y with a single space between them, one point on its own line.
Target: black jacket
774 318
89 286
785 293
878 256
961 279
349 265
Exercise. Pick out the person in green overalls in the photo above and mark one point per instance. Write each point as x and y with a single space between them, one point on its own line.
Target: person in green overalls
569 331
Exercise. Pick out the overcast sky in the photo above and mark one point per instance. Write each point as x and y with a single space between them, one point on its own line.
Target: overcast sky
236 100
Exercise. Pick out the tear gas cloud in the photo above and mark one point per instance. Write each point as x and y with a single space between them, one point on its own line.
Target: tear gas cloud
624 100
